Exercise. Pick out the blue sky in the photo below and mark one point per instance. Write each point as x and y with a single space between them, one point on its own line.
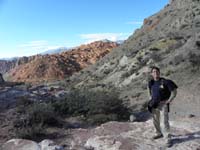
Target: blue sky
29 27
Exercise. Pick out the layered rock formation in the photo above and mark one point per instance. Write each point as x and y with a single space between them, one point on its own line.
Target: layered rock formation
40 68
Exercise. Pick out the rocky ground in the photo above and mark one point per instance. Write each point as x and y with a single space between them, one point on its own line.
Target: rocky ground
11 92
108 136
137 136
123 136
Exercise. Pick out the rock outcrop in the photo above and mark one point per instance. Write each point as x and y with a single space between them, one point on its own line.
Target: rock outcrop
10 93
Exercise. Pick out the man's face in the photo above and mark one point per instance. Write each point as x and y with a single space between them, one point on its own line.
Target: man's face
155 74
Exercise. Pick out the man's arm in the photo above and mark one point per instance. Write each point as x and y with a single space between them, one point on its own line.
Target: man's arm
149 93
173 95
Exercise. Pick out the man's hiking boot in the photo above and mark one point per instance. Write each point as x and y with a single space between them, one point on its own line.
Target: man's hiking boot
157 136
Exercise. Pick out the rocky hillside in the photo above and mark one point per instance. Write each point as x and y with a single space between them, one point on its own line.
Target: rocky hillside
41 68
169 39
6 65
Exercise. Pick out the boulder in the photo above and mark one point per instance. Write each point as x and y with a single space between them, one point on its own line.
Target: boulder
20 144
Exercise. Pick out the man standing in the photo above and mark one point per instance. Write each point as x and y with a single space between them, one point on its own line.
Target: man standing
161 93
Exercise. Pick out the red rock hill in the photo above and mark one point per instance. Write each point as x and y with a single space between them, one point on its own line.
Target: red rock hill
58 66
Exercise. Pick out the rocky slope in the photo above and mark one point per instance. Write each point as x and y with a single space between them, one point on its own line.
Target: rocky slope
169 39
41 68
6 65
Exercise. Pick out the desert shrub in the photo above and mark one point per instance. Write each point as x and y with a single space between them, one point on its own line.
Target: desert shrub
96 103
194 60
29 132
42 113
22 103
156 57
96 107
178 59
74 104
128 73
168 72
31 122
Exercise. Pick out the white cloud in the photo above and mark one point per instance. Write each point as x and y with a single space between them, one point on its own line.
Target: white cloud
135 22
101 36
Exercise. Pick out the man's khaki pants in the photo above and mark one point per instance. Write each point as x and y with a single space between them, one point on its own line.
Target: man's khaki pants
161 121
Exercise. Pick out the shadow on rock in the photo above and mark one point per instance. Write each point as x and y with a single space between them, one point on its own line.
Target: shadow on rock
178 139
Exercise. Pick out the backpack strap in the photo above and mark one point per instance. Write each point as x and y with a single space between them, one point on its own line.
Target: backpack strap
151 82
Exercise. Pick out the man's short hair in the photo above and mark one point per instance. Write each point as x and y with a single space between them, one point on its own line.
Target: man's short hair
154 67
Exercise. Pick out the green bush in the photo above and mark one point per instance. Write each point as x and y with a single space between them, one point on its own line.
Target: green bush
30 132
92 102
74 104
31 122
42 113
97 106
22 103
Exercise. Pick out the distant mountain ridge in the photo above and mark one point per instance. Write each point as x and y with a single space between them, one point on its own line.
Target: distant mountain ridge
39 68
55 51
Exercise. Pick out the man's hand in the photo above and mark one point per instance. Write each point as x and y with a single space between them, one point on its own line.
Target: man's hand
173 95
168 101
165 102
